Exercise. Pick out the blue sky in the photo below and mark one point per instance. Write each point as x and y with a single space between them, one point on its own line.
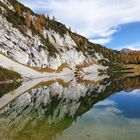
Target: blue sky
128 36
112 23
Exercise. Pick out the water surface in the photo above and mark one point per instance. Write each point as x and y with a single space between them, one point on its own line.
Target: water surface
75 109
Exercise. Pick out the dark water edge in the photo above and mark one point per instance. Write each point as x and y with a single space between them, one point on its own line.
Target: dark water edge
6 87
106 108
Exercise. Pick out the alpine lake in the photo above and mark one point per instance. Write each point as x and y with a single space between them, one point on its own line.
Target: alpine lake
92 108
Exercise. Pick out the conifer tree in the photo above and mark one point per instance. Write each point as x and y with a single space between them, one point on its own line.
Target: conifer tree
27 19
18 9
36 24
39 23
53 18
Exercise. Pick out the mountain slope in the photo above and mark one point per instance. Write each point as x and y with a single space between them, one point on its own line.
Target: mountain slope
45 43
25 70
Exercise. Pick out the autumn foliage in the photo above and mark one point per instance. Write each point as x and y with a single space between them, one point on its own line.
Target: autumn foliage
132 57
27 19
39 23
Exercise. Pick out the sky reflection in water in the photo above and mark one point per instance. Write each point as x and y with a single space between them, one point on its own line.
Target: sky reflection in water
78 111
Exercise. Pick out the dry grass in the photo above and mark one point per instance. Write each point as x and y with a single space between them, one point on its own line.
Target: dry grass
11 68
50 82
50 70
86 64
46 69
62 67
88 82
64 84
132 70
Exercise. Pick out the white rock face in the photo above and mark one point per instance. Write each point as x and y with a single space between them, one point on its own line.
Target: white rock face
6 2
93 69
28 72
27 49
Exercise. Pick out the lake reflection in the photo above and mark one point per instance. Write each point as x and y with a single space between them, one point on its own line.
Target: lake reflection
72 109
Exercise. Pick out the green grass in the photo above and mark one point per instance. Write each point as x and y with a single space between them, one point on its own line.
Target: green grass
8 75
7 87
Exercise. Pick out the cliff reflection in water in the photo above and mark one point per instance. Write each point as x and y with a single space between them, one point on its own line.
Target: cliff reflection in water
50 107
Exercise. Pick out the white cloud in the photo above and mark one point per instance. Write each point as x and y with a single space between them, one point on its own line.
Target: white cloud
101 40
91 18
135 92
106 102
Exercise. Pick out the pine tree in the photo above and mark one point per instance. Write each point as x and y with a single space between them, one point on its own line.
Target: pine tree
69 28
36 24
53 18
28 19
42 20
18 9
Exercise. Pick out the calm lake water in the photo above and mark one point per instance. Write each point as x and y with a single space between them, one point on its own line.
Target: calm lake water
102 109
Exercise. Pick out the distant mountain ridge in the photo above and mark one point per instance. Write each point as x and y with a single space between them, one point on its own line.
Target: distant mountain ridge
126 50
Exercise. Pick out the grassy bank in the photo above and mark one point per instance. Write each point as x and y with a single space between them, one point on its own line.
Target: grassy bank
6 75
132 70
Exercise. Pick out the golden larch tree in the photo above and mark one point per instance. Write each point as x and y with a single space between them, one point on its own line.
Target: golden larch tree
39 23
42 20
28 19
